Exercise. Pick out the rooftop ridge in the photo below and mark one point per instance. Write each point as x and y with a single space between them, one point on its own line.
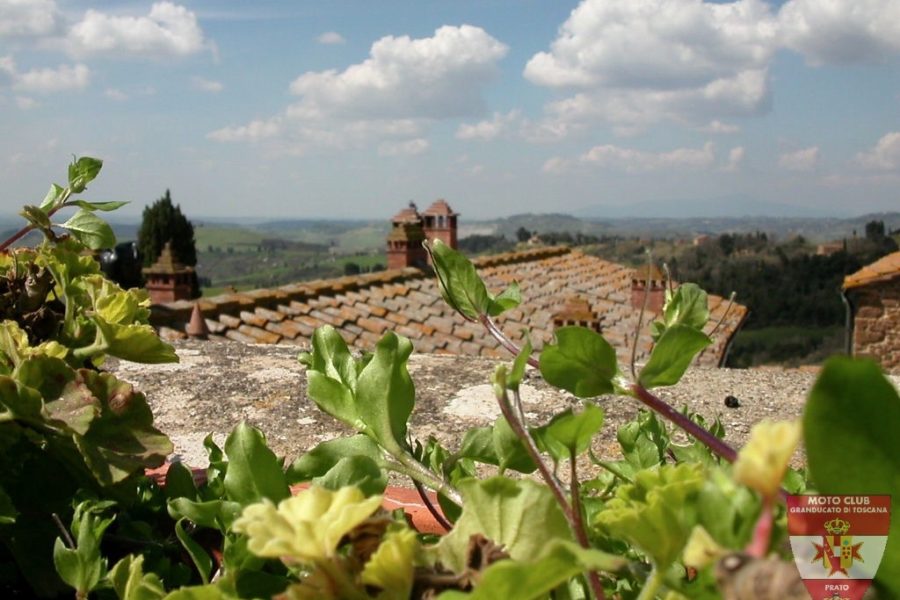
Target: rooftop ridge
233 303
884 269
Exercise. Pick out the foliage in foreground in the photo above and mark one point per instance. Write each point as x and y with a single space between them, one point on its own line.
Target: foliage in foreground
665 521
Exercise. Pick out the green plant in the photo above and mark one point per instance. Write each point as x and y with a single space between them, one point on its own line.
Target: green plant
652 524
164 222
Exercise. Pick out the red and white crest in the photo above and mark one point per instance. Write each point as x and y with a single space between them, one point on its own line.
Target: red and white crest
838 542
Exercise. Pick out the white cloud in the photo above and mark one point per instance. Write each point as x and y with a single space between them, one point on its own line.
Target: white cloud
253 131
735 158
630 160
885 156
389 98
25 103
32 18
330 38
491 128
634 62
718 127
207 85
404 148
115 94
841 31
167 30
46 81
800 160
437 77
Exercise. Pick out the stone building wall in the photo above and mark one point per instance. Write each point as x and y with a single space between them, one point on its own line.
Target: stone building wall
876 327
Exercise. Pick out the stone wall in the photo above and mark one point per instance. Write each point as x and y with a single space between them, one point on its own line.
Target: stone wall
876 327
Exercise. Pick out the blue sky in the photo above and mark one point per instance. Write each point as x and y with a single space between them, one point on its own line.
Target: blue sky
305 109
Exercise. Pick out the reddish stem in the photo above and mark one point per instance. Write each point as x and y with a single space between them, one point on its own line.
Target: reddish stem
762 533
438 516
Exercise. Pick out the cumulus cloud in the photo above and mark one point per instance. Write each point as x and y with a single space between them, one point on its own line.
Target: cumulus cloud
63 78
167 30
885 156
29 18
437 77
841 32
207 85
630 160
800 160
404 148
735 158
490 129
718 127
392 96
330 38
634 62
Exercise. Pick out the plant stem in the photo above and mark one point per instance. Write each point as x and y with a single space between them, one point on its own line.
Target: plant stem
653 583
339 578
423 494
762 532
662 408
637 330
578 513
608 466
25 230
412 468
575 523
507 343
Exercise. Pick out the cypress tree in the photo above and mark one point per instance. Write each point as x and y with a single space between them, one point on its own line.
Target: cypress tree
163 222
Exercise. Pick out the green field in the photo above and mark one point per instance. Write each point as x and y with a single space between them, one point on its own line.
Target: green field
785 346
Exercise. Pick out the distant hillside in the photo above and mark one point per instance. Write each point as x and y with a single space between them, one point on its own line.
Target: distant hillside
731 206
816 229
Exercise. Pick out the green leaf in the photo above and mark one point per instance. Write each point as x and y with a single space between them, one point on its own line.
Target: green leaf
333 464
385 393
83 566
581 362
852 445
510 450
522 516
37 217
726 510
82 171
568 434
527 580
101 206
199 557
463 289
331 376
18 401
8 512
211 591
46 374
131 583
644 441
135 342
518 369
180 482
672 355
52 197
254 472
90 230
121 439
689 306
215 514
478 444
656 513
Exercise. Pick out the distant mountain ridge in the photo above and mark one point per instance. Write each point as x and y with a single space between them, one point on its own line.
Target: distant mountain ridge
730 206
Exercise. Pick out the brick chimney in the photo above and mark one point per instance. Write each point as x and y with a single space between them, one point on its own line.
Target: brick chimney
167 279
404 242
439 222
648 281
576 311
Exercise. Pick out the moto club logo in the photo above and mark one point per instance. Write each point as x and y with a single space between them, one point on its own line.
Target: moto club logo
838 542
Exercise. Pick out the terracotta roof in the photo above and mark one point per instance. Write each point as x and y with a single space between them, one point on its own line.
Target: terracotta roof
410 214
408 302
439 207
883 269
